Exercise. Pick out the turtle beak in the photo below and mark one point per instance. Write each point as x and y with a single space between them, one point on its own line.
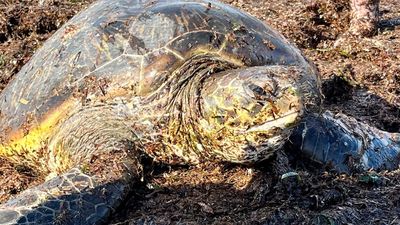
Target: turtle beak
284 121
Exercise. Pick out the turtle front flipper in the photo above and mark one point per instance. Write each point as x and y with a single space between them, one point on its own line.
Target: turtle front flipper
102 159
346 144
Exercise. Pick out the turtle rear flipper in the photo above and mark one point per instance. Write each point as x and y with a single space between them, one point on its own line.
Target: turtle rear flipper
72 198
101 152
346 144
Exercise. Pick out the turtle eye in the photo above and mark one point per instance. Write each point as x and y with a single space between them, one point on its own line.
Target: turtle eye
257 90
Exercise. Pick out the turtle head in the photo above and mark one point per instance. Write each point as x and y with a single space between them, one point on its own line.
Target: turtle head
248 113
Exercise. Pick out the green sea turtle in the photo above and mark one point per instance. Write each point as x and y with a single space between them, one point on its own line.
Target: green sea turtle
182 81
